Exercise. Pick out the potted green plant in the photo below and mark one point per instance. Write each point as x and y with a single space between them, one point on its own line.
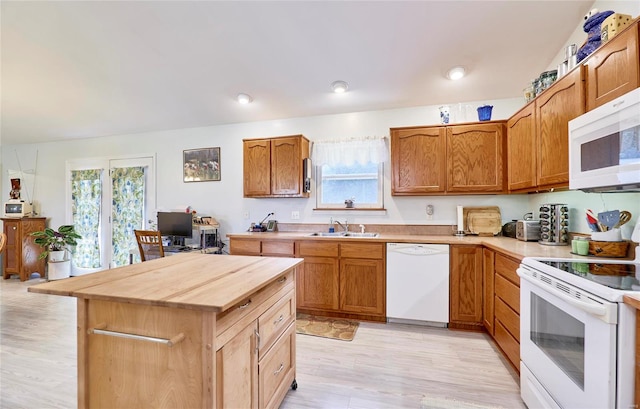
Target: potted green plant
56 241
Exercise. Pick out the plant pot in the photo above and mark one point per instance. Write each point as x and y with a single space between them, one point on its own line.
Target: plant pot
58 269
57 255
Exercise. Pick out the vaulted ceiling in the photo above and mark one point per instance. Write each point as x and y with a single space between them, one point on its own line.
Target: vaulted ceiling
84 69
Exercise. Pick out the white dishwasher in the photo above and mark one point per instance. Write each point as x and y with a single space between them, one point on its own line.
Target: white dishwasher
418 283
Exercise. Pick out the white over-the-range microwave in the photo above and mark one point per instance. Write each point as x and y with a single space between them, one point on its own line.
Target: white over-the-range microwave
604 147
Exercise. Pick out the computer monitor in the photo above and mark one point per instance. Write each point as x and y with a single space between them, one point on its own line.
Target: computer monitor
176 225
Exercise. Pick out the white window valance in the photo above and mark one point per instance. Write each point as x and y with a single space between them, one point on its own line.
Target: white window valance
370 149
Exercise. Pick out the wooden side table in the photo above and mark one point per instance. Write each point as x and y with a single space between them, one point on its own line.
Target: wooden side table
21 257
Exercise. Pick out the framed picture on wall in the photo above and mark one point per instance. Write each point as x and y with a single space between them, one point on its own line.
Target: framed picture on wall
201 165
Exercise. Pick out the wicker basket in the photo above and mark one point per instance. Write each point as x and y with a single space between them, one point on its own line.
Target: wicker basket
608 248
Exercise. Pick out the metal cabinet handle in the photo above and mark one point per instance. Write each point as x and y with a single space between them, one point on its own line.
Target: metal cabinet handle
279 369
255 331
283 279
245 305
279 320
99 330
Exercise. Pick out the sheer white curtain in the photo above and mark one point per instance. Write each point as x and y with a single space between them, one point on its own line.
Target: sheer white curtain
370 149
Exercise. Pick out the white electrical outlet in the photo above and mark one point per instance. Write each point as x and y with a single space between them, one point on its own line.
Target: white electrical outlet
245 215
429 212
295 215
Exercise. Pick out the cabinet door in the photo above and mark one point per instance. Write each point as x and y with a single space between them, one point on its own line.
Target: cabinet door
257 167
237 371
556 106
14 246
488 258
418 160
286 166
31 263
317 283
522 150
466 284
474 158
362 286
613 70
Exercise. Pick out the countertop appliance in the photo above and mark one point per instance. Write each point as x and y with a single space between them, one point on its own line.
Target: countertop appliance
528 230
604 146
418 283
509 229
577 335
17 208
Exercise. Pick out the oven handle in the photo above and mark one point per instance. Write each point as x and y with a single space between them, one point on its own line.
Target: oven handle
599 310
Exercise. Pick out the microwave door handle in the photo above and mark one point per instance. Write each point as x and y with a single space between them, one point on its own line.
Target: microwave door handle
590 308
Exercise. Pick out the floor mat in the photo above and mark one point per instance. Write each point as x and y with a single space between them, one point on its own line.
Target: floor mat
334 328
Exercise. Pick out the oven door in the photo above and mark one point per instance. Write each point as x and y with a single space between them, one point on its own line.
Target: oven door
567 345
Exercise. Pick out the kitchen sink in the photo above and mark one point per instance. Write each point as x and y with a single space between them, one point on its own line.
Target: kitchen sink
343 234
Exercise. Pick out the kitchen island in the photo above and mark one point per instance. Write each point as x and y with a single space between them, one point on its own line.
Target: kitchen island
192 330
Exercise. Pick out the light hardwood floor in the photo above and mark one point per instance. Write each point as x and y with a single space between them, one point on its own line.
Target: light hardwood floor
385 366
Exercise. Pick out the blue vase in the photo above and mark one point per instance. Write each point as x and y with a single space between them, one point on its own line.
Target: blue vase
484 112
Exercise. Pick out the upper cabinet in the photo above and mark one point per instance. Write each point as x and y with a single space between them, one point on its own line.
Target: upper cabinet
538 136
612 70
273 167
454 159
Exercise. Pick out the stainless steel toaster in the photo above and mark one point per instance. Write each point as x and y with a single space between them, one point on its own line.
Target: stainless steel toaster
528 230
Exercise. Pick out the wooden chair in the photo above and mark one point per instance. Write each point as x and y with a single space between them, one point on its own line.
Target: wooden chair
3 242
149 244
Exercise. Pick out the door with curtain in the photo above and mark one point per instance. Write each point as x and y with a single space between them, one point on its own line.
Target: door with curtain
108 200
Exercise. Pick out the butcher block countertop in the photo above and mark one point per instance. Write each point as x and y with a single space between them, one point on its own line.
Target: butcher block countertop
512 247
188 280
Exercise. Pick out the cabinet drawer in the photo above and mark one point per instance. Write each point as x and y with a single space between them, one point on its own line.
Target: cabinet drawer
507 268
508 292
248 247
272 323
362 250
509 345
233 320
277 248
508 318
318 248
277 370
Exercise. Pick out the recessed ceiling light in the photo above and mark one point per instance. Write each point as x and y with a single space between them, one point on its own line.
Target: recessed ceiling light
339 87
244 99
456 73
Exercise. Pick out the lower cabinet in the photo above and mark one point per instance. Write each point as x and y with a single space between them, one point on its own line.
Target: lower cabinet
465 309
342 279
502 303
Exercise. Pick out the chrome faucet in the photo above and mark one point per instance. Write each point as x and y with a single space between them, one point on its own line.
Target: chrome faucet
361 228
345 226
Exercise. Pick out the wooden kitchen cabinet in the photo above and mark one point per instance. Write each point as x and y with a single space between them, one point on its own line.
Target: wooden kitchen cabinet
465 296
21 255
342 279
538 136
418 160
273 166
522 149
488 289
453 159
475 158
261 247
613 69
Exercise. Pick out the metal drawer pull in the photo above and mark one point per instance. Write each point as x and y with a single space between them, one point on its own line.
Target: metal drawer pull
169 342
279 320
283 279
255 331
279 369
245 305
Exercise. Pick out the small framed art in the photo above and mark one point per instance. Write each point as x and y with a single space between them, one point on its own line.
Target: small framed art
201 165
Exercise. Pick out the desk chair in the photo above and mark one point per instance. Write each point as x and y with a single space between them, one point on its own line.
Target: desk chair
149 244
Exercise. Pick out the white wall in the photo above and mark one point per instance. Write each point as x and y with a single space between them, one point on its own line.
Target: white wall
223 199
